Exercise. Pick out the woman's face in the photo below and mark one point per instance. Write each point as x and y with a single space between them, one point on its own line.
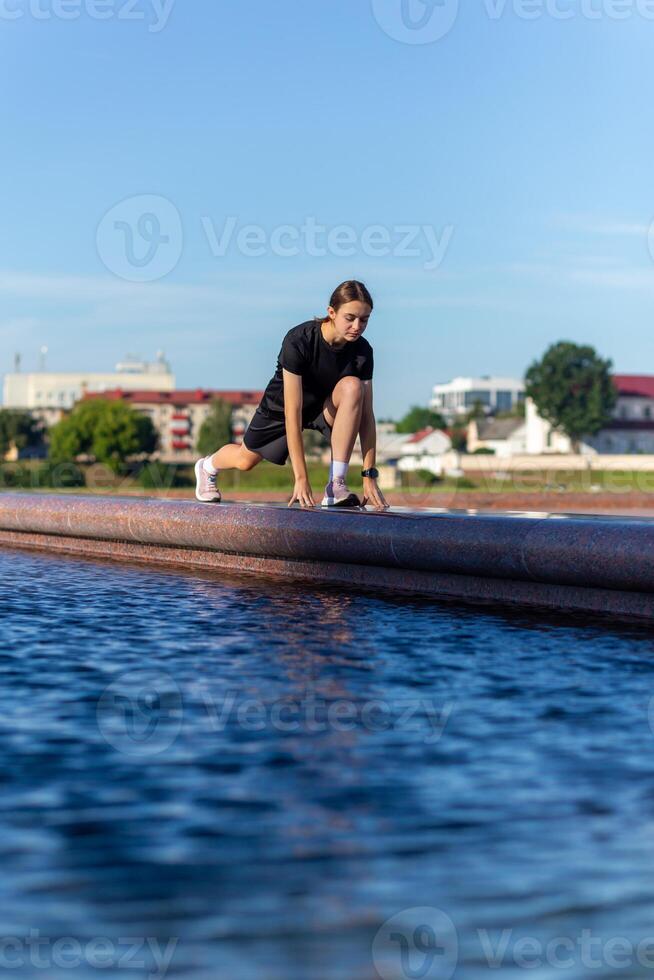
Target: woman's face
351 319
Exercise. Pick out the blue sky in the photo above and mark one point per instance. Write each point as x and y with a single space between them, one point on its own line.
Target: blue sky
511 157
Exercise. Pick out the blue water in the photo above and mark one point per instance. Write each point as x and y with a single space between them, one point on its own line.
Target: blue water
248 779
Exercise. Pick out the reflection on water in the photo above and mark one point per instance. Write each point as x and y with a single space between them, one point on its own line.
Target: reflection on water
257 779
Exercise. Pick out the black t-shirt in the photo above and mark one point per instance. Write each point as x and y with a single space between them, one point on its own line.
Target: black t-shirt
306 352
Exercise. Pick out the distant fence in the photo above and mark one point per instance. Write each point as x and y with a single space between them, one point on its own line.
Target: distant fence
483 463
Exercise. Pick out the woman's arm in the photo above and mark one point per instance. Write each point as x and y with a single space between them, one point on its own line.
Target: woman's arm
368 428
293 419
368 439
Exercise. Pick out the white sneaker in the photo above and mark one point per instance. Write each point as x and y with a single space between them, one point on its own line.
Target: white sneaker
205 485
338 495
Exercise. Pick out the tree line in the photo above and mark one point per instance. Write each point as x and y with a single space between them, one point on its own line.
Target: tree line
571 386
104 431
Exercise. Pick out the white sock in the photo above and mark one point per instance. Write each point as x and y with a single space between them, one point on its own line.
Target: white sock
337 470
207 467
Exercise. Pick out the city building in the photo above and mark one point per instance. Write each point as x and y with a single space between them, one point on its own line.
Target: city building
423 450
630 431
457 397
178 415
48 394
503 437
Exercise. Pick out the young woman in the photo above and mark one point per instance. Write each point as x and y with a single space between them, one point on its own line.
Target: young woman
323 381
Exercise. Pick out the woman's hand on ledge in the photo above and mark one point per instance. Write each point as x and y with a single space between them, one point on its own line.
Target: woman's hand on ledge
372 494
303 493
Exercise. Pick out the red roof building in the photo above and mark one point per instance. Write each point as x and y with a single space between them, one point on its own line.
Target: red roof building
177 416
197 396
634 385
420 435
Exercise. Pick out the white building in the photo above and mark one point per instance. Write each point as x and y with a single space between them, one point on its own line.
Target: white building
50 392
630 431
503 437
459 396
424 450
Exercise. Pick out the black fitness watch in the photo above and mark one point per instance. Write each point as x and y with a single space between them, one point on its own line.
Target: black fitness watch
372 472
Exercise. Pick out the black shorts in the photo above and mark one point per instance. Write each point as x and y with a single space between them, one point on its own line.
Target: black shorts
267 436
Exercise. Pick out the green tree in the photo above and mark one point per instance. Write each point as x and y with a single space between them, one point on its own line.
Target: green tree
420 418
19 429
573 389
148 436
216 430
476 412
109 431
458 433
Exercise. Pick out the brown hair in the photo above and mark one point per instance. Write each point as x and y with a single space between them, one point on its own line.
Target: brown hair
348 292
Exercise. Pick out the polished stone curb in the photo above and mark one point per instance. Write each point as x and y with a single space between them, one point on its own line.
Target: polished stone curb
590 564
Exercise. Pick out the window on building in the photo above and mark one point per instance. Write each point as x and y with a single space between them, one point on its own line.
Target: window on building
504 401
647 412
470 397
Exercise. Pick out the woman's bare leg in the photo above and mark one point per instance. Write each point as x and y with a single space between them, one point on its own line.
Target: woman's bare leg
343 412
235 457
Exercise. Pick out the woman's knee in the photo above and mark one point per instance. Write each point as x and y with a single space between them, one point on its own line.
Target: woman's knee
247 460
350 387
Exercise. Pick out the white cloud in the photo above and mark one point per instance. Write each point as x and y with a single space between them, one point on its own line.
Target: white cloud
589 270
630 279
593 224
